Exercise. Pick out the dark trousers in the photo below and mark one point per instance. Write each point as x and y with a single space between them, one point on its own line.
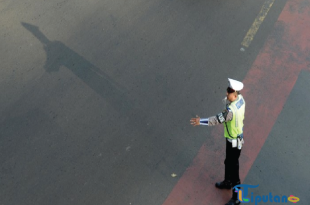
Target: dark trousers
232 163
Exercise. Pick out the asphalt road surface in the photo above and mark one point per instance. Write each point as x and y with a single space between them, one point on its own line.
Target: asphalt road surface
96 98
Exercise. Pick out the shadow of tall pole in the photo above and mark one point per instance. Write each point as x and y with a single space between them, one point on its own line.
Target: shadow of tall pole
58 54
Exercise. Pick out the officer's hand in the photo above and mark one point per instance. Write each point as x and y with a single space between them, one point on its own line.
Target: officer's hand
195 121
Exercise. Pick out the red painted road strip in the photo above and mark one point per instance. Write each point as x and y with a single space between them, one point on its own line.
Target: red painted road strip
267 87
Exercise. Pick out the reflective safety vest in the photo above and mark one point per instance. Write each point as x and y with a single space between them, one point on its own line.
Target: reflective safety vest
234 127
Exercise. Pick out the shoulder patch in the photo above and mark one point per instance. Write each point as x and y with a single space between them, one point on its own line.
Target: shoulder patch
239 103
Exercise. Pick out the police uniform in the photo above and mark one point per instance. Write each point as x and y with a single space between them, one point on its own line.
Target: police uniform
232 118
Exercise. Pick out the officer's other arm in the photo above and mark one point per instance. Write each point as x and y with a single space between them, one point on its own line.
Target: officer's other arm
220 118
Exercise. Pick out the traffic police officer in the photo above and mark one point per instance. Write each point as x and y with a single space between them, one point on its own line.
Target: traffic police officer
232 118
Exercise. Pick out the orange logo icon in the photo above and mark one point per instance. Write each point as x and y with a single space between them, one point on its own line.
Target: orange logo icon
293 199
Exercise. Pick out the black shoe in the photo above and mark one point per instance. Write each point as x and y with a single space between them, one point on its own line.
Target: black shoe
223 185
233 202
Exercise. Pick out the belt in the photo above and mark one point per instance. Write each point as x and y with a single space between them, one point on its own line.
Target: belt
230 140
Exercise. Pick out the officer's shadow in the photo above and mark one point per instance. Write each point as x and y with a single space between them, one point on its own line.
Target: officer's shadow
58 55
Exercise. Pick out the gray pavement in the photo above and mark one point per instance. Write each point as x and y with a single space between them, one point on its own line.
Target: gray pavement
96 96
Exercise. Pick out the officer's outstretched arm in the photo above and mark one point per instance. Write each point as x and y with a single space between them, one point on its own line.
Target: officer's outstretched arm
220 118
